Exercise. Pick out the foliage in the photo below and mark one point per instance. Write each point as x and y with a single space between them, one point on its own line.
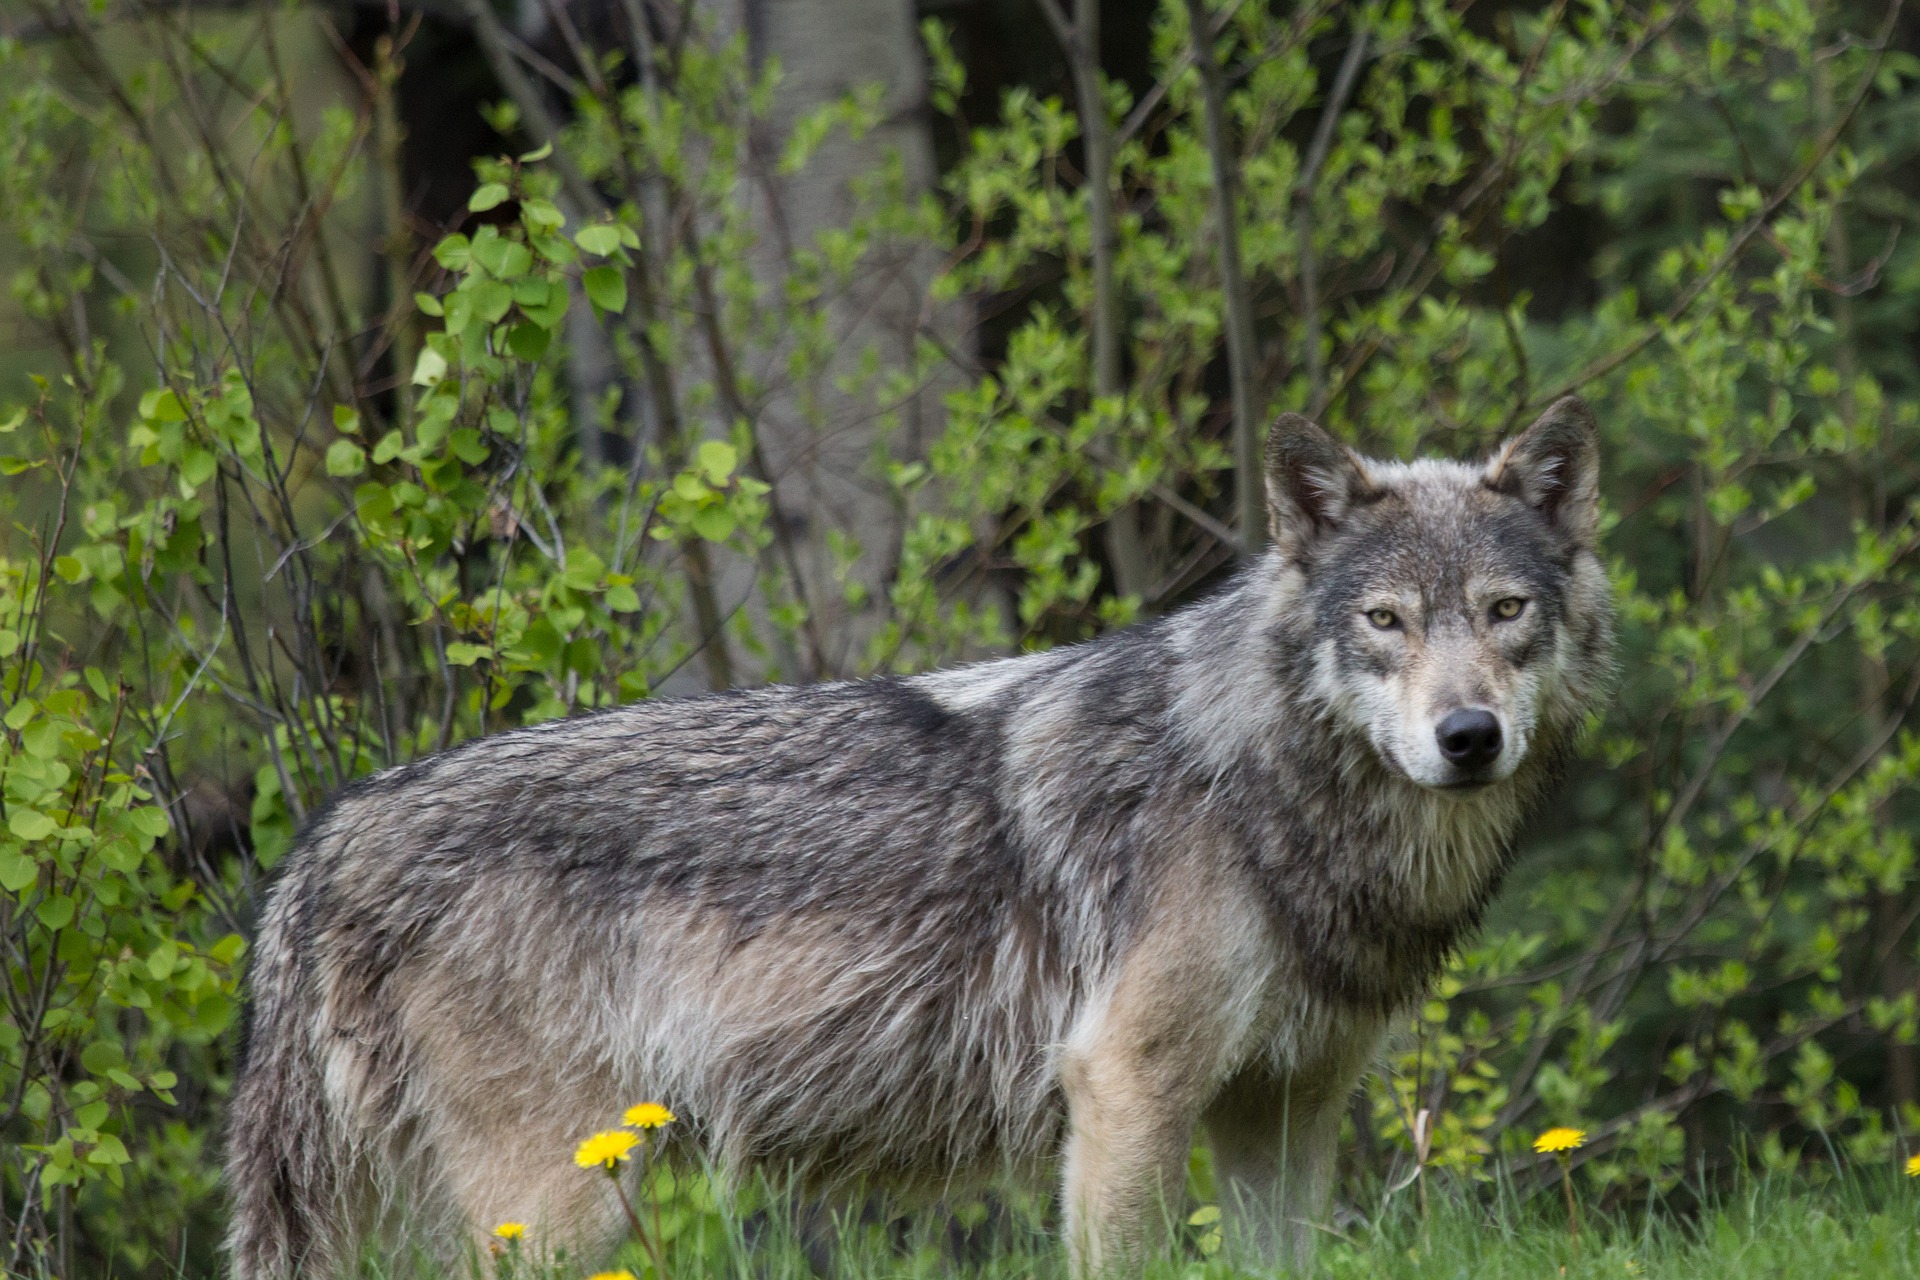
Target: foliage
285 509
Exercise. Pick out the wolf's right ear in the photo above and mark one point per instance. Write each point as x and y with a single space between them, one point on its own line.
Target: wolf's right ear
1312 482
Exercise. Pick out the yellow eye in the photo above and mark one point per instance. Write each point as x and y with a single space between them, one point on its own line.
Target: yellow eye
1509 609
1384 619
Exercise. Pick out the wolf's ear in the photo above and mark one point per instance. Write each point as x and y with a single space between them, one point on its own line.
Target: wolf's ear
1554 467
1312 482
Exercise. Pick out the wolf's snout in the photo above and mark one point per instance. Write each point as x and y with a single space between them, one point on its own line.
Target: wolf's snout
1469 739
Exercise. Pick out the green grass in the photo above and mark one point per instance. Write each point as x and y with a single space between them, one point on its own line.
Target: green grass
1857 1227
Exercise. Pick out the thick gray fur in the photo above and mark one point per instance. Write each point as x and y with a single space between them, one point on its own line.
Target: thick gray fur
1055 911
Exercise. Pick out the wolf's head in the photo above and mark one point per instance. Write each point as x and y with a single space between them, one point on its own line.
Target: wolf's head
1459 613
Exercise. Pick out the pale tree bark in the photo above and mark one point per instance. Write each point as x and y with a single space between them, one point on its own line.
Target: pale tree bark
819 446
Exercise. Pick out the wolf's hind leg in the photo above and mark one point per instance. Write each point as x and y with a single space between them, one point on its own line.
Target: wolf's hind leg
1274 1140
520 1169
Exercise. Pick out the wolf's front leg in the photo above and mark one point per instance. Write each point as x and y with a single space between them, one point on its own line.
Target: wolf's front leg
1126 1159
1136 1074
1274 1141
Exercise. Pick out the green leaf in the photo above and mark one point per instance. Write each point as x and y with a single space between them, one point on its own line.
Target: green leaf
622 599
41 740
468 446
534 291
601 239
606 286
70 568
55 912
541 213
150 820
428 305
462 654
162 405
102 1056
109 1150
162 959
717 459
118 854
504 258
12 421
547 309
17 870
515 260
490 195
429 368
198 466
538 154
346 420
458 311
454 252
491 299
30 824
345 458
528 341
715 524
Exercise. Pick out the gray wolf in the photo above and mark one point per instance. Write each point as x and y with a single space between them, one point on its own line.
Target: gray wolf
1058 911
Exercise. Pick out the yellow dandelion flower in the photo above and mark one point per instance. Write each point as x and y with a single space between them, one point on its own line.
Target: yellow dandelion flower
510 1230
611 1275
606 1149
648 1115
1560 1139
1913 1166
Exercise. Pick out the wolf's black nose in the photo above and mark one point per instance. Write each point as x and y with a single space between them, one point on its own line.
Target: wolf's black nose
1470 739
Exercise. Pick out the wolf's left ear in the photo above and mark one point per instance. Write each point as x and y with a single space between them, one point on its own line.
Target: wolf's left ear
1554 467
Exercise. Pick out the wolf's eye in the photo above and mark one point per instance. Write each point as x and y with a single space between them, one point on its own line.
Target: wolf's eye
1509 609
1383 619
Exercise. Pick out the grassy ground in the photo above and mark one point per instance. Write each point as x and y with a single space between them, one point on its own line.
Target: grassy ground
1864 1227
1784 1228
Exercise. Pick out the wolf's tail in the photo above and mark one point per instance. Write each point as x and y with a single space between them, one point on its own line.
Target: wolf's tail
289 1164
